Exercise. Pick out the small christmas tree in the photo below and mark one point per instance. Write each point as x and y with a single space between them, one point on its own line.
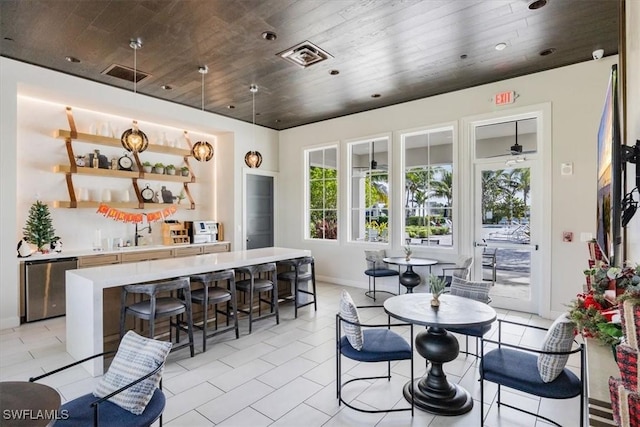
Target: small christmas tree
39 229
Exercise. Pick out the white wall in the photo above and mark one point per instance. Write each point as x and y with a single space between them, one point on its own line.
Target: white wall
234 139
576 94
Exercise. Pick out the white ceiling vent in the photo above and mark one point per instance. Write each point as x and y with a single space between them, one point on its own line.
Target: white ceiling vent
304 54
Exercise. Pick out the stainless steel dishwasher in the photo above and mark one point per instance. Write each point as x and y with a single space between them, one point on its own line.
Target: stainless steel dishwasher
45 287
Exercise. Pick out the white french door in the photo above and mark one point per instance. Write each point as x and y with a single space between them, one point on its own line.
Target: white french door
508 204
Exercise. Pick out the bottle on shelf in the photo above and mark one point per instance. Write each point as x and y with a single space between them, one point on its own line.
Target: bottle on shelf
95 162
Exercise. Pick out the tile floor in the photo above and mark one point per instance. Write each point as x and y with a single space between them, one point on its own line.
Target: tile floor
284 375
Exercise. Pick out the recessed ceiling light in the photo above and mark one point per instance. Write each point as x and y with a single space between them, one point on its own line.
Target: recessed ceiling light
501 46
547 52
334 72
537 4
269 35
463 56
167 87
9 39
231 107
277 120
71 59
376 95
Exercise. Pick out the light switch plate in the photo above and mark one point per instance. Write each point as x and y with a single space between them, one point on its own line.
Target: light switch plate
566 168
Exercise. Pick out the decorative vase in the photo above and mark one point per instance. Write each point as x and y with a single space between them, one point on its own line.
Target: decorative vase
147 169
435 301
407 258
158 170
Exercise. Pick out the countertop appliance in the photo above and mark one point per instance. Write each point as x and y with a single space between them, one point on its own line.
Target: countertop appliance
44 287
204 231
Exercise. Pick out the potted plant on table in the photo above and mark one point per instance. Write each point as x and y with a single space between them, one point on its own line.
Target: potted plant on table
407 252
171 170
185 170
147 167
437 285
158 168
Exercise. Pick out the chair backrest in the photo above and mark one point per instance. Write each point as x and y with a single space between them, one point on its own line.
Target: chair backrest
254 270
375 259
154 288
463 262
478 291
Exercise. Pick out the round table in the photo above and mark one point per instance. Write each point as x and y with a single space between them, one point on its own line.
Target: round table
434 393
24 403
410 279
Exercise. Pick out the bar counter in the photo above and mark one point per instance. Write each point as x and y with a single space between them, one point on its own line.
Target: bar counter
85 290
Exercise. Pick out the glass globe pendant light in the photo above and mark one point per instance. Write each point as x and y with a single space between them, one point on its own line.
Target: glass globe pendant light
202 150
134 139
253 159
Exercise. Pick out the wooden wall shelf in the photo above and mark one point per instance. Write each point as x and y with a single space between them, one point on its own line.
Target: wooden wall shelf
115 142
69 170
121 174
119 205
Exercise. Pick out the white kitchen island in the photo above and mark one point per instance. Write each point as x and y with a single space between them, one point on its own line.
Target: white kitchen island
85 289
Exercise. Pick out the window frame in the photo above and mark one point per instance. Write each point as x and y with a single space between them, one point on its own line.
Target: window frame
456 180
380 138
307 191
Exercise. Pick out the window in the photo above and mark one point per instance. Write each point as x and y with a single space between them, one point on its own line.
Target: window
322 193
428 192
369 190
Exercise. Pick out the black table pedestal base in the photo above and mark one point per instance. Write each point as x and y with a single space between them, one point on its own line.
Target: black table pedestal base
434 393
410 279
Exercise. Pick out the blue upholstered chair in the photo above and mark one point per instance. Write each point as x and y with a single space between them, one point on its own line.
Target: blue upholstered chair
368 343
540 372
478 291
89 410
461 269
376 267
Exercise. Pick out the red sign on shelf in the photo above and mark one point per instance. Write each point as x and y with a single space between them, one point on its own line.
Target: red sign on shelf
503 98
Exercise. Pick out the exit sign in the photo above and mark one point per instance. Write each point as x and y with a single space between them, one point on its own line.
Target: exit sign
502 98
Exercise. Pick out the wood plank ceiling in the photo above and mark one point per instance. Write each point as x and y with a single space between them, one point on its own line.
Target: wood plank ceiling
400 50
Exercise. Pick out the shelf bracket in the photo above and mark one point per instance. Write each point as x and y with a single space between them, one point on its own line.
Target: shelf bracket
72 124
136 188
72 194
186 158
188 193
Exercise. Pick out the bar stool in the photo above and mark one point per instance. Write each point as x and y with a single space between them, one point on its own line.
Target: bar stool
159 307
298 274
212 294
261 279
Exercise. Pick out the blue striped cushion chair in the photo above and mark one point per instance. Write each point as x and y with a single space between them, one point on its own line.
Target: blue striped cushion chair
368 343
478 291
520 368
376 267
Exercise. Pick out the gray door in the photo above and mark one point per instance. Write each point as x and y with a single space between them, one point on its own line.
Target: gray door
259 211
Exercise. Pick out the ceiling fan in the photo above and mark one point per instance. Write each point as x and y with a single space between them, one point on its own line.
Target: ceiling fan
373 165
516 149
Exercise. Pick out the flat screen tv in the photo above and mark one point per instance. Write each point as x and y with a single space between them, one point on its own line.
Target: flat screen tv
608 230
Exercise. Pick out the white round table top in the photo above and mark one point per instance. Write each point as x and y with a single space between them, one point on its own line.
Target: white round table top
415 262
453 312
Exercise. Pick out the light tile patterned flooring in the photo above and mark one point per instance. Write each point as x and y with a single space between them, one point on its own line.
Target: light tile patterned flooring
284 375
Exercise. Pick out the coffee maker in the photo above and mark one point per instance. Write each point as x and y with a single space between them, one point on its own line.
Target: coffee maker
204 231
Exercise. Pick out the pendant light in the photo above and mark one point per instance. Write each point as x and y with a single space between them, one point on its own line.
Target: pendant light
134 139
202 151
253 159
